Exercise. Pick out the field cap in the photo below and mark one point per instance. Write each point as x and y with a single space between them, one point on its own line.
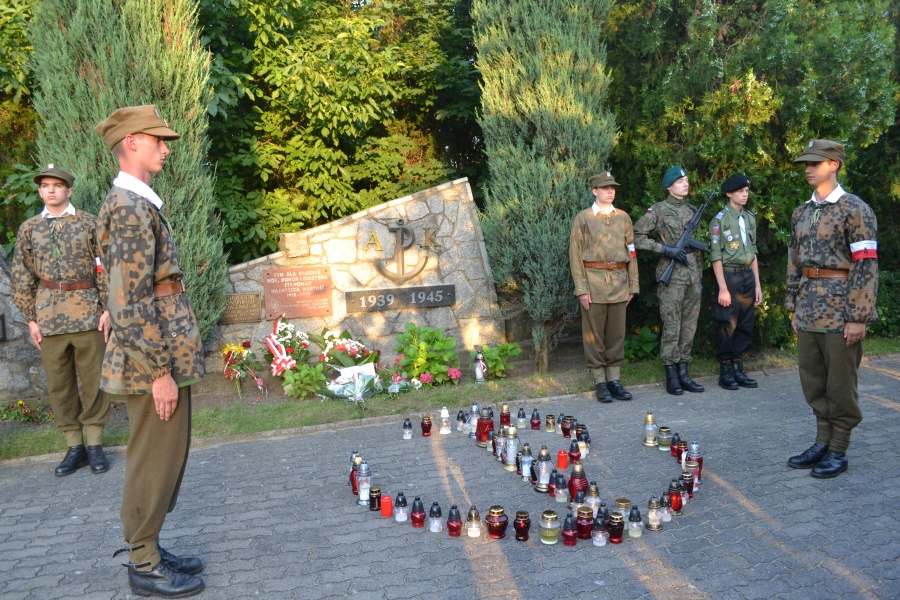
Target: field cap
131 120
820 150
54 171
735 183
672 174
602 180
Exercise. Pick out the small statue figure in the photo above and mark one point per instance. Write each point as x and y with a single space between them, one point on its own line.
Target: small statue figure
480 368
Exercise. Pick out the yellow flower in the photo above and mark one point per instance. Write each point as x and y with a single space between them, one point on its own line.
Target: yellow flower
20 403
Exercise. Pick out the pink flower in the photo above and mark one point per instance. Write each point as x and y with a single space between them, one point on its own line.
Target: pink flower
398 359
426 378
454 374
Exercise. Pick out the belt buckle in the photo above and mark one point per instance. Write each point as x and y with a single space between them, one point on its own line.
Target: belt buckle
59 285
817 272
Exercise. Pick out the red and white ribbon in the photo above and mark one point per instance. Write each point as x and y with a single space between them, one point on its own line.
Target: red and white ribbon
281 361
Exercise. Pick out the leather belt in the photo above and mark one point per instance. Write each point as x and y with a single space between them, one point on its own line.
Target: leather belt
736 269
168 288
67 286
606 266
816 273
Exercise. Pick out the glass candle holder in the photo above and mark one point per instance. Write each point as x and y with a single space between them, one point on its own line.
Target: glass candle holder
496 522
521 525
535 420
654 515
675 497
692 467
680 451
569 532
505 416
559 421
695 455
417 515
562 460
562 489
485 424
387 505
510 449
454 522
577 480
354 475
426 426
599 535
401 510
435 519
574 452
375 498
616 528
665 505
407 429
445 422
635 523
664 435
550 424
584 522
549 527
364 483
567 424
473 523
673 448
460 420
650 431
543 469
521 419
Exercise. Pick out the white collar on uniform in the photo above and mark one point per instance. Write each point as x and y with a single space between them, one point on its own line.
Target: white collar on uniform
596 209
133 184
833 197
70 210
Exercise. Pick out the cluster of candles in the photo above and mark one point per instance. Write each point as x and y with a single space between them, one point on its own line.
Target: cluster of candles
589 519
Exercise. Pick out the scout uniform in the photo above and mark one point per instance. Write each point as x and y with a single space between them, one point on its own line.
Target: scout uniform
603 264
679 302
733 243
56 283
832 280
154 333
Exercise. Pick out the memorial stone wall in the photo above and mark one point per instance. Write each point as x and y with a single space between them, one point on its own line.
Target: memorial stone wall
21 373
420 259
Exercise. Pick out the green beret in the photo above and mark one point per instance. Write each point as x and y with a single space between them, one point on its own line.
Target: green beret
131 120
54 171
735 183
672 174
602 180
821 150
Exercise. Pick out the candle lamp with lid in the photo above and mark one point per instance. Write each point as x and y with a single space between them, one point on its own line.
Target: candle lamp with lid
435 520
418 513
496 522
650 431
473 523
401 510
543 468
654 515
510 448
454 522
364 483
549 527
527 460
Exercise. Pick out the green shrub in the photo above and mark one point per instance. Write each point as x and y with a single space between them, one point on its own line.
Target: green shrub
888 323
426 350
497 359
304 381
641 345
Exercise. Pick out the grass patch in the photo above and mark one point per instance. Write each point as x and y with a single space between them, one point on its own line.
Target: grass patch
245 418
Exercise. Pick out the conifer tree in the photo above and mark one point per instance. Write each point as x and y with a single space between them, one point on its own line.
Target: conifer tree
93 56
546 131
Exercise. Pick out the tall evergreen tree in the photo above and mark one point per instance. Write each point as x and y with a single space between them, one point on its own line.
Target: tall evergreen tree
93 56
546 130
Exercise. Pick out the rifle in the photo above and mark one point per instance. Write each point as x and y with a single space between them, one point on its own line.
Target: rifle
687 242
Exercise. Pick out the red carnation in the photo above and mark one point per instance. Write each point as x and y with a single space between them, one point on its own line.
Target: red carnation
246 344
289 350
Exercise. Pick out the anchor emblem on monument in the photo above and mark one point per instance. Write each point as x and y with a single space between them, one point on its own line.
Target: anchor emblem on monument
405 239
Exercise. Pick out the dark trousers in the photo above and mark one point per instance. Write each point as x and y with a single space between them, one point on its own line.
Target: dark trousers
735 322
829 375
603 335
154 467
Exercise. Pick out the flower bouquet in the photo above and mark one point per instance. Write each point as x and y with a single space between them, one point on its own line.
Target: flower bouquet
341 350
286 346
354 384
241 364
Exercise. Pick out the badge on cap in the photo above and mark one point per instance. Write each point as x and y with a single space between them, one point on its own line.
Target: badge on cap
683 174
50 166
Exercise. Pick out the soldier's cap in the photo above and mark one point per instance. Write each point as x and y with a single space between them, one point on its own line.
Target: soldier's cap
602 180
672 174
821 150
735 183
54 171
131 120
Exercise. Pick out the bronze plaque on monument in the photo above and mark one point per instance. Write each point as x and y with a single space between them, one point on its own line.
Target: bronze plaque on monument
297 292
242 308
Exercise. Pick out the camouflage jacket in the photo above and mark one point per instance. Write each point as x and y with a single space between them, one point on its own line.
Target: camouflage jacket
608 239
150 337
60 249
667 220
838 235
726 244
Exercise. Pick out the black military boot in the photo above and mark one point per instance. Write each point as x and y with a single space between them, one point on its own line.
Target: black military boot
832 465
726 376
164 582
97 458
76 457
603 394
673 386
810 458
618 391
686 381
740 378
183 564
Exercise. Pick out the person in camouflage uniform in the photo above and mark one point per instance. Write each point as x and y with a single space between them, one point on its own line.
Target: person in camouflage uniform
679 302
604 269
60 290
733 257
154 352
832 285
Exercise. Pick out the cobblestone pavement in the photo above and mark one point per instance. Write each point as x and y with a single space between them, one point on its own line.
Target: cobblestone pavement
274 517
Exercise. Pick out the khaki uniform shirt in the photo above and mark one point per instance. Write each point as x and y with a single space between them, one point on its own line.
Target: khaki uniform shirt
839 233
608 239
150 337
666 220
726 244
60 249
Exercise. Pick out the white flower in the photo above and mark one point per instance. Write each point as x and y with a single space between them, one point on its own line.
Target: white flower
417 385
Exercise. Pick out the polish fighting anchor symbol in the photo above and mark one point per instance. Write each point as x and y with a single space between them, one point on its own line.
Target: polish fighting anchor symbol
405 239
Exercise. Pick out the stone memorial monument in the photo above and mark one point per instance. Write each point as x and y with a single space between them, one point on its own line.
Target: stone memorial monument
21 372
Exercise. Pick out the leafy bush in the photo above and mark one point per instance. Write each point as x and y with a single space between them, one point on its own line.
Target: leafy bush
304 381
21 413
498 359
641 345
888 323
426 350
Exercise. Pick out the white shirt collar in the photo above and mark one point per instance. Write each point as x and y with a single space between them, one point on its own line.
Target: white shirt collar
133 184
596 209
833 197
70 210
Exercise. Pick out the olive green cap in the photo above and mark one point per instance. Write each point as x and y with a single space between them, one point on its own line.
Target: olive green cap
602 180
54 171
821 150
131 120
